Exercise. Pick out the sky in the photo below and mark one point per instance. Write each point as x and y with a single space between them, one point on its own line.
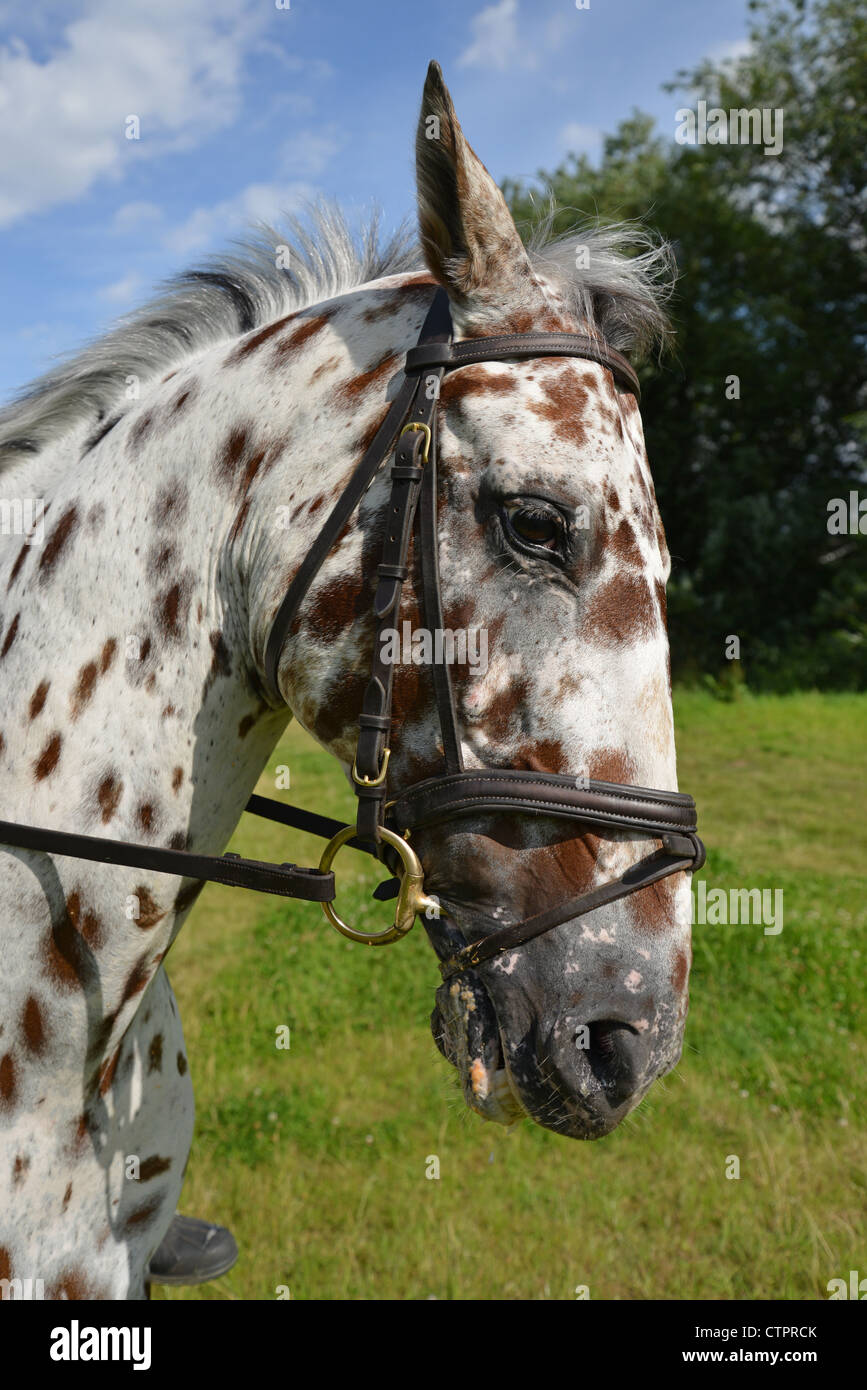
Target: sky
246 108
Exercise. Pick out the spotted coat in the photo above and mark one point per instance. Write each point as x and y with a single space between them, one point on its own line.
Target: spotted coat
131 667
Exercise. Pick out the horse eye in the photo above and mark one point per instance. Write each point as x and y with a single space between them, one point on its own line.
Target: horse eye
538 527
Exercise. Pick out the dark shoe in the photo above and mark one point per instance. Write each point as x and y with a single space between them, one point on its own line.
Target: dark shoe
192 1252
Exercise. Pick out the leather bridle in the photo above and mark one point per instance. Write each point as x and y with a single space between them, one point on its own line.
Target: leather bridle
383 827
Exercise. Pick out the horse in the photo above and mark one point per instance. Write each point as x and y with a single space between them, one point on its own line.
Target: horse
182 466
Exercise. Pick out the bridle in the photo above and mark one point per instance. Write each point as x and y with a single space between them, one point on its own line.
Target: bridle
384 826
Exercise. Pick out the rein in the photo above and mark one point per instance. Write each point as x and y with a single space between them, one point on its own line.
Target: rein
382 827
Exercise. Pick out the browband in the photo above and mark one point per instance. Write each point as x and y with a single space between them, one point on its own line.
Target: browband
498 349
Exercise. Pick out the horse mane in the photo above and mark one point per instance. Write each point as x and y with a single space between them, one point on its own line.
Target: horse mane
619 295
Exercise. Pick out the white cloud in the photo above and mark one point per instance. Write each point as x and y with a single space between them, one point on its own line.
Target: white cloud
258 202
175 64
122 291
132 216
729 50
307 153
576 138
496 43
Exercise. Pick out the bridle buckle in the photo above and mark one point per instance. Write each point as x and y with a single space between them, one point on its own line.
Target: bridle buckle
416 425
363 781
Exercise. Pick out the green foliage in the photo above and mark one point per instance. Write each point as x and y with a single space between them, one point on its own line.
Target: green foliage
772 289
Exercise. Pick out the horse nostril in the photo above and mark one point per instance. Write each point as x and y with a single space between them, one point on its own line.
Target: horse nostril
616 1055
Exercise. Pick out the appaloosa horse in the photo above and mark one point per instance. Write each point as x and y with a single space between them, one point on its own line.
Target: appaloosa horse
187 462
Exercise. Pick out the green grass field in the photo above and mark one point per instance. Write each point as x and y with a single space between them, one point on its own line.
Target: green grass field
316 1156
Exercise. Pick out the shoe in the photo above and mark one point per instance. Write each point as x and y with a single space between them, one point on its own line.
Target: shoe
192 1252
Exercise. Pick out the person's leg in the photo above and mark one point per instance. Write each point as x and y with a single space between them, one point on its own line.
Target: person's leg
192 1252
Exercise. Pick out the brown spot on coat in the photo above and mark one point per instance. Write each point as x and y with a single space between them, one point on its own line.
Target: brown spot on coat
177 779
297 339
11 634
233 451
150 911
80 1133
182 1064
137 979
188 393
475 380
611 765
680 971
251 341
240 518
221 663
83 692
141 428
85 921
564 407
14 572
173 610
161 559
653 907
73 1284
624 543
152 1167
621 610
19 1169
58 541
67 1196
37 699
171 503
8 1082
155 1053
145 816
48 758
107 1071
68 962
32 1026
366 381
142 1215
108 794
329 365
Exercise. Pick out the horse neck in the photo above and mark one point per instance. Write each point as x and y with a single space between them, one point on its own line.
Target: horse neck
130 710
142 620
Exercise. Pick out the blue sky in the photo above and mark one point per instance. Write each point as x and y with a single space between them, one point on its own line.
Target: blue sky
245 109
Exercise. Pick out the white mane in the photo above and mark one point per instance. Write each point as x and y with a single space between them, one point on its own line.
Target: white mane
620 295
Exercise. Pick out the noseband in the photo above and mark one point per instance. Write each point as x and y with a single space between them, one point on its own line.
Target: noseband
383 827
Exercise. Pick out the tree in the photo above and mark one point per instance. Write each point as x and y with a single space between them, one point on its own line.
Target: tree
771 254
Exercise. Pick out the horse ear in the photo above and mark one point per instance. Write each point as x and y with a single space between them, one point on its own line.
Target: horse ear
469 240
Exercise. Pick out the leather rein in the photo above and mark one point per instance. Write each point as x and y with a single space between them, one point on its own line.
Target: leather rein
384 827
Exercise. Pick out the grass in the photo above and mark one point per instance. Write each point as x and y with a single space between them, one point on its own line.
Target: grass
316 1156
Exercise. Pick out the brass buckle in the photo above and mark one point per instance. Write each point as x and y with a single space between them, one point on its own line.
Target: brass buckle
416 425
371 781
411 898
